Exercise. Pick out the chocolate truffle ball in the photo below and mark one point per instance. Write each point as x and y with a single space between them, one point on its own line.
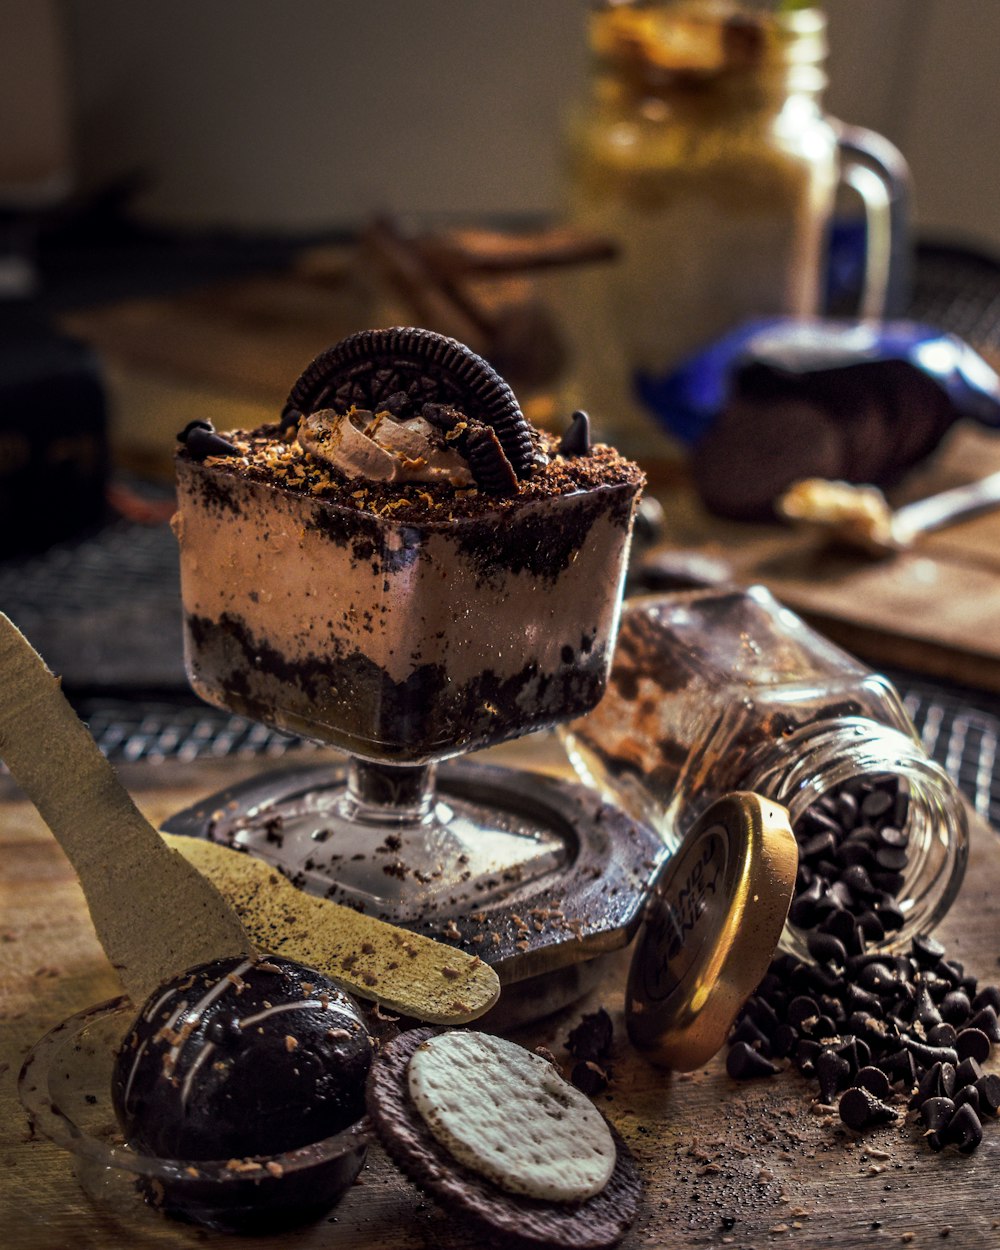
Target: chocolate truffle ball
237 1058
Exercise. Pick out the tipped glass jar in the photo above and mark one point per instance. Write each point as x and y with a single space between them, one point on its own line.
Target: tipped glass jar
721 690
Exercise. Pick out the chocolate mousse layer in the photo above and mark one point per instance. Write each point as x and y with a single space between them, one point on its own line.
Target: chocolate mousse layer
401 619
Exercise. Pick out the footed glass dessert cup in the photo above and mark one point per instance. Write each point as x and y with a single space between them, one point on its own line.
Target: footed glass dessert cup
405 569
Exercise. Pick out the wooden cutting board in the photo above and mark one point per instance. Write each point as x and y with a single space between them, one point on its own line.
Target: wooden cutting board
935 609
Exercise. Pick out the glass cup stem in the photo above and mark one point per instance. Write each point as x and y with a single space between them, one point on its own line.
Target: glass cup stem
388 794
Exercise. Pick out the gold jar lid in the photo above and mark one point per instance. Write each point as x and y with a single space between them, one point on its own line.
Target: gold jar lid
713 920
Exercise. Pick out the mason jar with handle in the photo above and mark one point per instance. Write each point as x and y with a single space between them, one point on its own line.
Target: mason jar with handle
702 150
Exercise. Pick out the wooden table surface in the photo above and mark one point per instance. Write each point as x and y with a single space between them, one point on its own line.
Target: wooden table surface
725 1164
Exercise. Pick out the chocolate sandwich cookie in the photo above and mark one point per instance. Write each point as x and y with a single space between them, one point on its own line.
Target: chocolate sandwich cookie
399 370
596 1222
757 449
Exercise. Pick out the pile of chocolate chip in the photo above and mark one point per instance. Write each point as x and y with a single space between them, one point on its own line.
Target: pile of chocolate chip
875 1030
853 850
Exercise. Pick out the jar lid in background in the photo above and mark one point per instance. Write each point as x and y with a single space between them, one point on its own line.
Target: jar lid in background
713 921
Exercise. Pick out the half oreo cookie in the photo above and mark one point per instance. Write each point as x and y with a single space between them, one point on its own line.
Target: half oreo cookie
403 368
595 1223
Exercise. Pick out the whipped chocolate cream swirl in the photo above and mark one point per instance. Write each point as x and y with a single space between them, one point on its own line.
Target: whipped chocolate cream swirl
374 446
451 409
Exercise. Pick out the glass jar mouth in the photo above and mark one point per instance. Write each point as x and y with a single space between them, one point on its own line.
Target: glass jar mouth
820 761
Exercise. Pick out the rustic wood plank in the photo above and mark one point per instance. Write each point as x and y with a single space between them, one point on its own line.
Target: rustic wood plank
712 1151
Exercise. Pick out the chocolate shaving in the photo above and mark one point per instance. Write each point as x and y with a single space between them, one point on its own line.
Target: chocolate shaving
492 470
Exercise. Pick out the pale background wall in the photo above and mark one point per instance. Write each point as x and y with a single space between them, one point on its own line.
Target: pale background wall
312 113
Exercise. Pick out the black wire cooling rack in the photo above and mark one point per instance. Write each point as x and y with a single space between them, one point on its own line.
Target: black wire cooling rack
963 739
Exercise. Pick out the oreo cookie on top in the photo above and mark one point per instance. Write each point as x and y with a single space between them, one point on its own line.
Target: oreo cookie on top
445 397
495 1133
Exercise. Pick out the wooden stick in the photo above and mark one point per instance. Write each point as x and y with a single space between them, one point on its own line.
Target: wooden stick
154 914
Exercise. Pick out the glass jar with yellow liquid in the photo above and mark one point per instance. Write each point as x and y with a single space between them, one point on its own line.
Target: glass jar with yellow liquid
702 149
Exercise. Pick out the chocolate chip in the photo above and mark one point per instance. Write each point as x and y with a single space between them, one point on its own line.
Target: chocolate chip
576 440
926 1056
937 986
902 1067
892 858
860 1109
988 996
924 1009
955 1007
802 912
762 1013
937 1114
801 1009
986 1021
592 1038
891 915
804 1055
938 1081
743 1063
826 949
846 807
942 1035
820 844
972 1044
857 880
822 1027
875 1081
845 929
891 882
856 1051
953 970
858 998
968 1072
783 1041
904 967
589 1077
201 441
965 1129
878 978
833 1073
871 925
854 852
968 1096
989 1094
877 803
747 1031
